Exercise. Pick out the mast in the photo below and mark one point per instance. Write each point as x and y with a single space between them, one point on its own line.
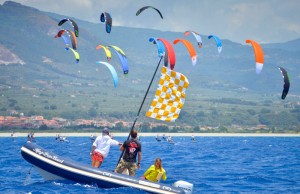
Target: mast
138 113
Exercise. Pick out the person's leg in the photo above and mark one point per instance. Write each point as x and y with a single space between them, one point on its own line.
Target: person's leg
121 166
132 168
97 164
97 159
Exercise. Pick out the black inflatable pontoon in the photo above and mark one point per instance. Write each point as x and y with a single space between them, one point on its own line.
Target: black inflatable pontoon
54 167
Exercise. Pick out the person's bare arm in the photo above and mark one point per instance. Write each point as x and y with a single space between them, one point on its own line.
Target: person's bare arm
92 150
139 159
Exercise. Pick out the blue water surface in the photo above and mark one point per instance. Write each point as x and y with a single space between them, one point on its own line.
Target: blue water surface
212 164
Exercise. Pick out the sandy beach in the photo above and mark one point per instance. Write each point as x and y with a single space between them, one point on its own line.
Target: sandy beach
160 134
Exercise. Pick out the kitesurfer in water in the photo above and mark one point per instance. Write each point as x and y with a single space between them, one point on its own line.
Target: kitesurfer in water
169 139
157 138
193 138
12 134
155 172
30 137
132 148
101 147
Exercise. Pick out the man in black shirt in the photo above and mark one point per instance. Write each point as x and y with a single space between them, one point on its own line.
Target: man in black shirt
132 149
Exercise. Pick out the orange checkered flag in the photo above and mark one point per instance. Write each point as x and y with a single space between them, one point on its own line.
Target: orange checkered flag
169 97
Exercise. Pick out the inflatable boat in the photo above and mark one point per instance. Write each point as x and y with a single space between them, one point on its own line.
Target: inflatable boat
54 167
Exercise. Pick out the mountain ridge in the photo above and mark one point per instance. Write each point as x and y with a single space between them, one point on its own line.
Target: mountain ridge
39 28
50 72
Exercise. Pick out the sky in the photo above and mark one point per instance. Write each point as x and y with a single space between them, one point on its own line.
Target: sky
265 21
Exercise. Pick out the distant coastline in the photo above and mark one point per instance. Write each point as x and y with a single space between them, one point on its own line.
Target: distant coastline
88 134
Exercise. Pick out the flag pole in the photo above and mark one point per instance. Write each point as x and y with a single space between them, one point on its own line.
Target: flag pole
138 114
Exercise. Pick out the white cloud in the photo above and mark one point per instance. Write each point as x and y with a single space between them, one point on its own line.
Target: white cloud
237 20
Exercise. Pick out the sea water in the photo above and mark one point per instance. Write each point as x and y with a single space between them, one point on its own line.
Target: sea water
212 164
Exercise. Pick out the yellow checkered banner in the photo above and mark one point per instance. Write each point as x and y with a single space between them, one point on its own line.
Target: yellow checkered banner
169 97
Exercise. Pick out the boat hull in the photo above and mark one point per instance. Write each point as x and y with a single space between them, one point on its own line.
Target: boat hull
54 167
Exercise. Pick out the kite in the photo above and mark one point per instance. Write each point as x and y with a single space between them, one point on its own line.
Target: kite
122 58
147 7
76 54
218 42
160 46
286 80
259 55
73 23
197 36
112 71
105 17
106 50
65 37
190 48
68 37
169 54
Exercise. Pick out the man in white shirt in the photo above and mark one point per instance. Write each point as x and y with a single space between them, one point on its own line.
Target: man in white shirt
101 147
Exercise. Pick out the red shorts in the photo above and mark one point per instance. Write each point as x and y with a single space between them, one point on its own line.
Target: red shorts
97 156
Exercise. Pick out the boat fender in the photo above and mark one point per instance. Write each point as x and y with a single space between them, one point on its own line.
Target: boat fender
186 186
